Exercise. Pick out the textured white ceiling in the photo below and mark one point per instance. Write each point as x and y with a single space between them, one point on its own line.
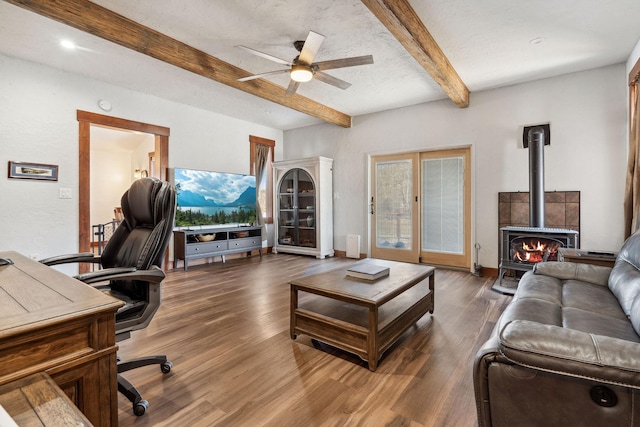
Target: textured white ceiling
486 41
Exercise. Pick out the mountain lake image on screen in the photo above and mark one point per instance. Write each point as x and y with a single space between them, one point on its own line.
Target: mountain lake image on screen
212 198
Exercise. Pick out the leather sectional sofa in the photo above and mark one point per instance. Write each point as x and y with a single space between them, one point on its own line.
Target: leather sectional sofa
566 350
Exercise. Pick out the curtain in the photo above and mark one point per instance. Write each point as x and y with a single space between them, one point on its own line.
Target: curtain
632 188
261 156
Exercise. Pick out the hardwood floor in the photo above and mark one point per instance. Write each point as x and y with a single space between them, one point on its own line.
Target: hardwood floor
225 327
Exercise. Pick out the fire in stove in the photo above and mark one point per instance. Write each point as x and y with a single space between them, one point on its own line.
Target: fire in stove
534 250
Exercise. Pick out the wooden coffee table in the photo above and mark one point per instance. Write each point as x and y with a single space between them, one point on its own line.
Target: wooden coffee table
359 316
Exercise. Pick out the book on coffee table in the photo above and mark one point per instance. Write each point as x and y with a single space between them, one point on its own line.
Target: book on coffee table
367 271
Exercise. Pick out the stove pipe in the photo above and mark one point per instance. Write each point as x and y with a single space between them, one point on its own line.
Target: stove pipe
536 176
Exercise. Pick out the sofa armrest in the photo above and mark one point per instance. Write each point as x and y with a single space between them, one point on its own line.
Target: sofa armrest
489 353
573 353
596 274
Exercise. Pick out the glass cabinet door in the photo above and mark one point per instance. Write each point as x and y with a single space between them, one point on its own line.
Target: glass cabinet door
297 209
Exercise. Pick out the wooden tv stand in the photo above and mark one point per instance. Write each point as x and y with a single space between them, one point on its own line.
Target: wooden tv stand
228 240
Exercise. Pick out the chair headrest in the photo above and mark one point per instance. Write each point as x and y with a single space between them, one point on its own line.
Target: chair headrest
138 201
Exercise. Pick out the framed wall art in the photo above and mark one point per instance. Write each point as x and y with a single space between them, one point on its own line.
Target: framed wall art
23 170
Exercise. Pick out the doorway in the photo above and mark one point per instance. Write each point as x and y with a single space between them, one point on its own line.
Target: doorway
118 157
421 207
85 121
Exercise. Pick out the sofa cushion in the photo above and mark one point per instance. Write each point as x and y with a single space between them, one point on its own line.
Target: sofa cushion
532 310
596 274
594 309
570 303
593 298
624 280
635 314
624 283
546 288
598 324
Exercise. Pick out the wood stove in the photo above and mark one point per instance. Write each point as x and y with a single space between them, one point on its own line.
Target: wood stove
522 247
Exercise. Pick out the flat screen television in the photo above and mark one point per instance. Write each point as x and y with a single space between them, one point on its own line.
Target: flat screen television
213 198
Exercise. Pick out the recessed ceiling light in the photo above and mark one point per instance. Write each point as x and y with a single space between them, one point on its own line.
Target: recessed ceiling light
68 44
537 40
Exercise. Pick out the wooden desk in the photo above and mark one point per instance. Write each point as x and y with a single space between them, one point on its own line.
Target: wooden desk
53 323
37 401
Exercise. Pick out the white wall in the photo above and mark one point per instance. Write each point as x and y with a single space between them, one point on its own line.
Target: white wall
114 158
38 124
140 155
110 178
633 58
587 112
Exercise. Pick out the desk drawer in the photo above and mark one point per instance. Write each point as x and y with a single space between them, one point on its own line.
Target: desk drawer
39 350
248 242
206 247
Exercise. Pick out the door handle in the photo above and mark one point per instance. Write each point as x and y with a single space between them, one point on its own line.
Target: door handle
371 207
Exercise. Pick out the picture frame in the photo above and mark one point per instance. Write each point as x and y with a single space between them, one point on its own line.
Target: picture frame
38 171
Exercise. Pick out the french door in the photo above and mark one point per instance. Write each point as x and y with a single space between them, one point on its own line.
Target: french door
420 207
445 188
394 207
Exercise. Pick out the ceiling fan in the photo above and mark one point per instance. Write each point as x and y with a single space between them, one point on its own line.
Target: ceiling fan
302 68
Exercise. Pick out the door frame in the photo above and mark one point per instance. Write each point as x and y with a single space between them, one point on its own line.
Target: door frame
85 120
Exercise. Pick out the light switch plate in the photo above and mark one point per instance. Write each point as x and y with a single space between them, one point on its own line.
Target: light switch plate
64 193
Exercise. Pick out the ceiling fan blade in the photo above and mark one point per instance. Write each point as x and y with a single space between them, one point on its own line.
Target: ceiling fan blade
259 76
293 87
344 62
310 48
265 55
334 81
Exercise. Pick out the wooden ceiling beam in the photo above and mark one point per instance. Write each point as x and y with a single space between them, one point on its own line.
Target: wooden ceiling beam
403 22
94 19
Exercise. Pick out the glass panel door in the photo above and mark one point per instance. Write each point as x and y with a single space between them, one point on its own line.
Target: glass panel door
287 209
394 207
297 209
306 206
445 203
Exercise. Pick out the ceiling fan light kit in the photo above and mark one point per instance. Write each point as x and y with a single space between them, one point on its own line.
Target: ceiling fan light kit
302 69
301 73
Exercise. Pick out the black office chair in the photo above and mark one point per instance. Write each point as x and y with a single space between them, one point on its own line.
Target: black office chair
131 272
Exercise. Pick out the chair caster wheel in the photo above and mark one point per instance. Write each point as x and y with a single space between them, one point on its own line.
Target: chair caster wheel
140 408
166 367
